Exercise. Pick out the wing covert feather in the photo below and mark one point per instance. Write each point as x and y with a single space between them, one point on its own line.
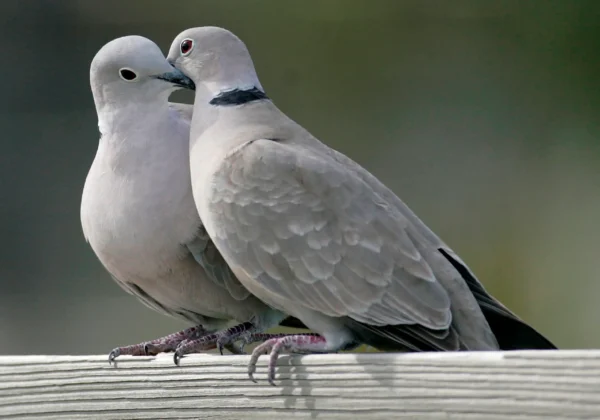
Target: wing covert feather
208 256
310 230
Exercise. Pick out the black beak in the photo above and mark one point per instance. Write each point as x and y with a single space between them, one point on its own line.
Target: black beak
178 78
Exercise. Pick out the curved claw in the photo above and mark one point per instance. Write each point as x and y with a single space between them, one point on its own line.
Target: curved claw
264 348
113 355
251 370
276 349
220 346
177 357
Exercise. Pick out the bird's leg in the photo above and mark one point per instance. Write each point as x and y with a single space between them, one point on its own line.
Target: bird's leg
164 344
221 339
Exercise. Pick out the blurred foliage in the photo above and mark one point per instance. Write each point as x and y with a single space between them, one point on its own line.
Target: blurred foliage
482 115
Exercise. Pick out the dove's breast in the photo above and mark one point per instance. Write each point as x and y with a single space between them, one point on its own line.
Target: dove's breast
139 210
138 213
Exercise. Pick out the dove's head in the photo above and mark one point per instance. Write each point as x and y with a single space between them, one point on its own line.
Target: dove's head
215 59
133 69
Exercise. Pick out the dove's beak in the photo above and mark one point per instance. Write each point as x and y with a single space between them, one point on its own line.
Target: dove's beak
177 78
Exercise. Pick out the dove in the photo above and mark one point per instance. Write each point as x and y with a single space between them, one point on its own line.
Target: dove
314 234
138 212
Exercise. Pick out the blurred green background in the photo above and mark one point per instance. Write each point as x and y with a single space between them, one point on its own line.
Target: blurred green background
482 115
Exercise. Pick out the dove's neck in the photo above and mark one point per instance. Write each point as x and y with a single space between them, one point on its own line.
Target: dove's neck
131 117
228 92
233 72
217 100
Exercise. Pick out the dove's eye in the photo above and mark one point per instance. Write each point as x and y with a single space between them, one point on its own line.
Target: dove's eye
127 75
186 47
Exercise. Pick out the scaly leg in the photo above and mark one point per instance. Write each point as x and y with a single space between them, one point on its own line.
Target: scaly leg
291 343
221 339
246 332
164 344
250 338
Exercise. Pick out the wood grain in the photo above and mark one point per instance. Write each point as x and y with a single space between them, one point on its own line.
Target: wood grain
485 385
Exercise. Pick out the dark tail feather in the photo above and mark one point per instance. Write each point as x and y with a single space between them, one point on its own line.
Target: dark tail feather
514 334
406 338
511 332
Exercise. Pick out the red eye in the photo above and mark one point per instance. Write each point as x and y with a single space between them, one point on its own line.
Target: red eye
186 46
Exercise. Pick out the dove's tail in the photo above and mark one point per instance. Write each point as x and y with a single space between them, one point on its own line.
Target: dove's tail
510 331
514 334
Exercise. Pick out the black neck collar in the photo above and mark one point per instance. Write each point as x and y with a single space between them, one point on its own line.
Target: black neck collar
238 97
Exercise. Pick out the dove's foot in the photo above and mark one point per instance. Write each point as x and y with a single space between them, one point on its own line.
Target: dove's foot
220 340
289 343
165 344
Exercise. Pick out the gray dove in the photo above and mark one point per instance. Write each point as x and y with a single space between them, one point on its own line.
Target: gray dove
314 234
138 212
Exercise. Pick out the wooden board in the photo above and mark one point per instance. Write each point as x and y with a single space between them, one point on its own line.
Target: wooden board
485 385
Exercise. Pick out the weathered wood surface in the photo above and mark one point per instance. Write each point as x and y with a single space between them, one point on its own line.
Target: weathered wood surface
515 385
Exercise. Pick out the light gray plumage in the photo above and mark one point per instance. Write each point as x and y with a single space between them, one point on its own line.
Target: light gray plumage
311 232
137 209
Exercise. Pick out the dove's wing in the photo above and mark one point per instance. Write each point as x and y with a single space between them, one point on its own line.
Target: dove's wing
208 256
311 231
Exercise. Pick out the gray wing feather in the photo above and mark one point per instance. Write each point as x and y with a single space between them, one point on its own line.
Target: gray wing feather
466 292
310 230
142 296
206 254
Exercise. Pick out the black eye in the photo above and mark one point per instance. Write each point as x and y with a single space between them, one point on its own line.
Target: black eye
186 46
127 75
